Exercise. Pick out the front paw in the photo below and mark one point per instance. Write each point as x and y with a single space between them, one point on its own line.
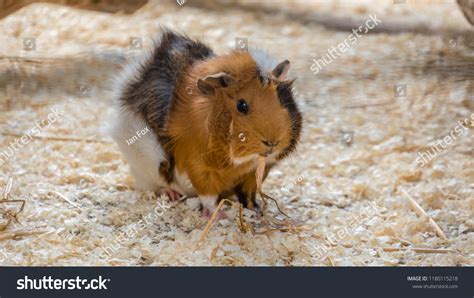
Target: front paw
249 202
206 213
209 205
255 210
173 195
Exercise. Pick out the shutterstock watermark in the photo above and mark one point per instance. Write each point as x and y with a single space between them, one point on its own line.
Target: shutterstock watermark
242 44
320 250
138 134
298 181
49 283
347 137
442 144
136 43
22 141
334 52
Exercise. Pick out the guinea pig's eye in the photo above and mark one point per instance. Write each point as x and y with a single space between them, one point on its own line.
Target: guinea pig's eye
242 106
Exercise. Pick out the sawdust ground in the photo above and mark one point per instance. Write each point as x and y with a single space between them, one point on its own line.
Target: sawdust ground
325 185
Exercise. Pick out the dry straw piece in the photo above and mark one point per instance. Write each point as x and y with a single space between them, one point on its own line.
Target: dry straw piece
243 226
331 263
64 198
8 214
55 138
8 189
17 234
260 172
259 176
212 219
421 212
420 250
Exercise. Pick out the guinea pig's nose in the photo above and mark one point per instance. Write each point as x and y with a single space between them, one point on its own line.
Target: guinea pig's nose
270 144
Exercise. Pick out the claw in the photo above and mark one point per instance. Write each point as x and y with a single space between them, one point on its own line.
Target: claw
208 214
173 195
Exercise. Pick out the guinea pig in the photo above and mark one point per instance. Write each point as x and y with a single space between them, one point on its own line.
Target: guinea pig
192 123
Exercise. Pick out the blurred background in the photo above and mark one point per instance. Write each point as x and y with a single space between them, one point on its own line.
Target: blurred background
369 114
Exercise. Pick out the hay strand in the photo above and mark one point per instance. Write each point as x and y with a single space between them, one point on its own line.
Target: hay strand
16 234
205 232
421 212
331 263
259 176
8 189
260 172
244 227
420 250
8 214
65 198
56 138
265 196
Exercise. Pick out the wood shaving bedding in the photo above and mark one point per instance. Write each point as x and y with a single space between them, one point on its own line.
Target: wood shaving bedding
323 186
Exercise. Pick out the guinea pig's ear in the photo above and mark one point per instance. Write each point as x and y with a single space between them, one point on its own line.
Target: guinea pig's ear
280 72
210 83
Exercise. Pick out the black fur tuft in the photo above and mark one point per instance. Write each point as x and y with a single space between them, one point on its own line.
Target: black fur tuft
151 95
285 95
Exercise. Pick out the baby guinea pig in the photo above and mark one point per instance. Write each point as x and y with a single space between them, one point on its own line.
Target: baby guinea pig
192 123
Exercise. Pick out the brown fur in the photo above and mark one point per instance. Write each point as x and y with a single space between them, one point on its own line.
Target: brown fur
204 129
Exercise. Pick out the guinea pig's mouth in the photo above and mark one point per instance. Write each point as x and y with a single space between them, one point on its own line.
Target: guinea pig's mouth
270 147
269 153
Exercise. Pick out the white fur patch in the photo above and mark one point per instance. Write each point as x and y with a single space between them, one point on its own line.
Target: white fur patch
254 158
241 160
208 202
144 156
183 184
